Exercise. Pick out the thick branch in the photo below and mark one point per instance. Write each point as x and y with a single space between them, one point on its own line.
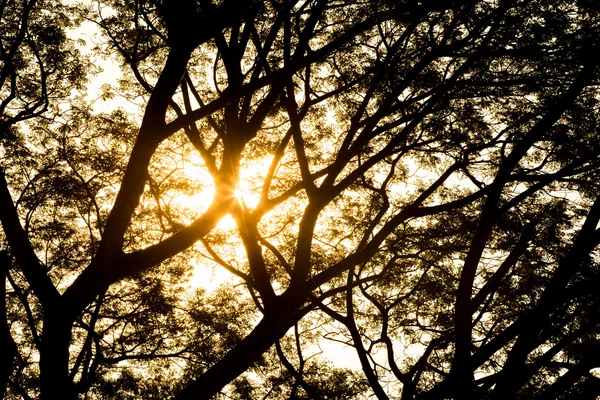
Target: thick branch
23 251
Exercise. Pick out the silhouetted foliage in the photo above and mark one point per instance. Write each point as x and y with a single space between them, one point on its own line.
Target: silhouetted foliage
413 183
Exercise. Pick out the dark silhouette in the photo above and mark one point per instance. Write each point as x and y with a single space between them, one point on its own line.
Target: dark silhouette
420 182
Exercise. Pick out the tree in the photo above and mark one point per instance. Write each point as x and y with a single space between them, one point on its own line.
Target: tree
417 180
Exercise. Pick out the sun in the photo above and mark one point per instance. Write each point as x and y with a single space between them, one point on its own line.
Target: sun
243 191
247 191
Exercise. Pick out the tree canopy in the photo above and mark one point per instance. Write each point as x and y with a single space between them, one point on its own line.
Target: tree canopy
413 183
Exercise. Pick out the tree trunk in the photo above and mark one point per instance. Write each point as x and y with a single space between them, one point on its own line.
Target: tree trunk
7 344
270 329
54 358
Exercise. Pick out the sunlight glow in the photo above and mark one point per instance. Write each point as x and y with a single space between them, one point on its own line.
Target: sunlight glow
207 276
243 192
